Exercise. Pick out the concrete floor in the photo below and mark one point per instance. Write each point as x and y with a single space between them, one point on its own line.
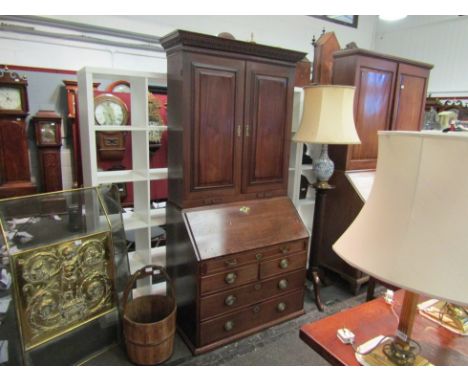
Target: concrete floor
279 345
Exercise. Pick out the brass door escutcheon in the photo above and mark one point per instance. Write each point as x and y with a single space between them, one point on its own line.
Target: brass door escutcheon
259 256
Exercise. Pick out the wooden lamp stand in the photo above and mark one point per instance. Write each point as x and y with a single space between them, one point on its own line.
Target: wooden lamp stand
321 189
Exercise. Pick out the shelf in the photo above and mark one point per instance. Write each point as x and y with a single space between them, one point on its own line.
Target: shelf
133 221
110 128
138 223
158 255
128 128
158 173
158 217
121 176
305 202
118 74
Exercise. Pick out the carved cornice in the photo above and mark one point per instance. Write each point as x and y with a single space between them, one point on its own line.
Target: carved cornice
7 76
180 38
370 53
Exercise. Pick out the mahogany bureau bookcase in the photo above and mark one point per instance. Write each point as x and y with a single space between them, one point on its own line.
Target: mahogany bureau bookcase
236 246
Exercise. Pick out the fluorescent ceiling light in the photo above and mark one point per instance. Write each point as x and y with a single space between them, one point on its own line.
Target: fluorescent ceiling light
391 17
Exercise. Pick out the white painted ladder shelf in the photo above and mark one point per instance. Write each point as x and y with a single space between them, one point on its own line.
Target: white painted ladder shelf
141 175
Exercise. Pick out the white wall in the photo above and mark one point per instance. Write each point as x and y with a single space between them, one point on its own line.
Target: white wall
438 40
291 32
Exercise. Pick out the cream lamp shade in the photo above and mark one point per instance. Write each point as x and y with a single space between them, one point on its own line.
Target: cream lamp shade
328 115
413 230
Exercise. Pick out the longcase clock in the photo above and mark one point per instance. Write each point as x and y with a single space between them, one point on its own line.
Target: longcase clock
47 126
15 174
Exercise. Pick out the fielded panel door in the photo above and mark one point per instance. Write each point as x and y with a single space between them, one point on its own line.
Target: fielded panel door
267 127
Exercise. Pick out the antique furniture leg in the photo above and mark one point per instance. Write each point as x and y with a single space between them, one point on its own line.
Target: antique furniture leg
316 241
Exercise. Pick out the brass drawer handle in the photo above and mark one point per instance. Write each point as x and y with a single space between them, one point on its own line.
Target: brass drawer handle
284 250
258 286
230 300
281 307
259 256
283 284
231 262
256 309
230 278
229 325
284 263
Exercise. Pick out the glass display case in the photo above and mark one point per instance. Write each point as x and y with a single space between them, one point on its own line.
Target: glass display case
63 265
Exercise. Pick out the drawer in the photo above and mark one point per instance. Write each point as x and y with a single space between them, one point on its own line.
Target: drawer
225 302
226 263
250 317
229 279
282 264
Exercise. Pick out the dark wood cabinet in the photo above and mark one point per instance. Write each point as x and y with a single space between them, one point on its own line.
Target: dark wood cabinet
238 263
390 95
230 118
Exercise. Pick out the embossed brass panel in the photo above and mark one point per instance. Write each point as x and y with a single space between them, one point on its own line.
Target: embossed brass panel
62 286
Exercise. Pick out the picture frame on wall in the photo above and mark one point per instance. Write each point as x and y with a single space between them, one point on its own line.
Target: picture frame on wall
348 20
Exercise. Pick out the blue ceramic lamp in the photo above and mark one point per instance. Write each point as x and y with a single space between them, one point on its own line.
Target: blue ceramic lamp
327 119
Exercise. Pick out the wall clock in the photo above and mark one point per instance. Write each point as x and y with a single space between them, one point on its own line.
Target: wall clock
15 175
110 110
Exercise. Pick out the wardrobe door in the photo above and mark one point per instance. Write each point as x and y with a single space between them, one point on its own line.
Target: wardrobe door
375 81
216 133
267 128
410 98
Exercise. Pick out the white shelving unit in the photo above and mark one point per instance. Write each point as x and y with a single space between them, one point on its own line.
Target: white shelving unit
304 206
143 218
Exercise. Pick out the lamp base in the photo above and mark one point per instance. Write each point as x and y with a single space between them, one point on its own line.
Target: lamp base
450 316
375 353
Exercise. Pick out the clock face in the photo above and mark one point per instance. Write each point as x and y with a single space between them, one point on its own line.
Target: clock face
48 133
10 98
110 110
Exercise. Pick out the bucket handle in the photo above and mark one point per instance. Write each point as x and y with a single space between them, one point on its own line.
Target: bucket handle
148 270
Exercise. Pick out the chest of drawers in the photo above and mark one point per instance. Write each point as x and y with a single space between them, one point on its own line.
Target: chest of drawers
238 268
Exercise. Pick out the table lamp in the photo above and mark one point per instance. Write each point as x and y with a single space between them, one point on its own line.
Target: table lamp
327 119
411 231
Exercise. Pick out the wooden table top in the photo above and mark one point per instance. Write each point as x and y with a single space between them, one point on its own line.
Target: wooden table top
368 320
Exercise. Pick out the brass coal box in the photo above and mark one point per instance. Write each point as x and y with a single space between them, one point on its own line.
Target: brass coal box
60 254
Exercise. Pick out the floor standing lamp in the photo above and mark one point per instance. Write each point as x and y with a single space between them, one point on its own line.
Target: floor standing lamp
411 231
327 119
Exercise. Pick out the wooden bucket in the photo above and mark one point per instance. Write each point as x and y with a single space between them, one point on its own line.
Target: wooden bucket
149 322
